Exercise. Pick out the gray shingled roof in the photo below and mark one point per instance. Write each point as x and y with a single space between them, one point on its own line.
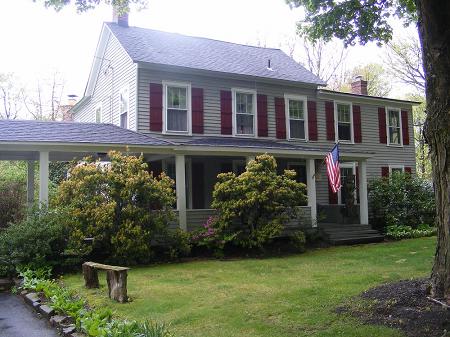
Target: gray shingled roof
246 143
70 132
157 47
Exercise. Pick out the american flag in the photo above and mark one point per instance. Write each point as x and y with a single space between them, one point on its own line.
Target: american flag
333 169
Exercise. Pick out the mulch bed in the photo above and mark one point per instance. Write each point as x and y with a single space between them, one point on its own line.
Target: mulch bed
402 305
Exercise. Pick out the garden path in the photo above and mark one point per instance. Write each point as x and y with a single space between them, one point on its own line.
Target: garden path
17 320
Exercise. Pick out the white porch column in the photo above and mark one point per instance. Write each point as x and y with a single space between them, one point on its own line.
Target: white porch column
30 183
180 168
311 188
43 177
363 203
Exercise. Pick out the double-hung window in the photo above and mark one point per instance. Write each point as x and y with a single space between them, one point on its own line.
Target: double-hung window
393 169
394 125
124 105
244 108
177 108
344 122
296 116
98 113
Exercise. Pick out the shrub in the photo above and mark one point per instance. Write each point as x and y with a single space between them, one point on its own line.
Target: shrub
399 200
12 203
38 241
298 241
177 243
399 232
121 206
253 206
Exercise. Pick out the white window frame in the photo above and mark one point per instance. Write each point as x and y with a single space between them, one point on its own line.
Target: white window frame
255 111
288 97
188 86
351 165
402 167
127 89
387 127
98 106
336 123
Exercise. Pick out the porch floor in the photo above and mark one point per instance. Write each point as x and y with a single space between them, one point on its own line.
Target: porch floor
347 234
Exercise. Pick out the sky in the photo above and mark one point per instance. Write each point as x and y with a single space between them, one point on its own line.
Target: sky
37 41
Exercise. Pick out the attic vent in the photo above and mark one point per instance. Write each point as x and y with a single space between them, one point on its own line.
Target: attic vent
269 65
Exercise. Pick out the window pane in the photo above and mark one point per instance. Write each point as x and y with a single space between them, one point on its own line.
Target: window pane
394 135
176 98
297 129
244 103
124 101
244 124
343 113
124 120
176 120
347 178
98 115
296 109
396 170
344 131
394 119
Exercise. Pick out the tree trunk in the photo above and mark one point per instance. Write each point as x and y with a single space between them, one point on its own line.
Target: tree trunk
117 285
90 276
434 32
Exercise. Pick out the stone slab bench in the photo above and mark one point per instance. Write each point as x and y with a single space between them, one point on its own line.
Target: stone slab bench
116 277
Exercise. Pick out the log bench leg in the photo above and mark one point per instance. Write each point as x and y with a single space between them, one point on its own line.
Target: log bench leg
90 276
117 285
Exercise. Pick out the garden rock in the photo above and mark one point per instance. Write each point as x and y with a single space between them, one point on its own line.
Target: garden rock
46 311
57 320
31 298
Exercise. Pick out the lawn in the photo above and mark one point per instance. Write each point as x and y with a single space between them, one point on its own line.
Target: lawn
287 296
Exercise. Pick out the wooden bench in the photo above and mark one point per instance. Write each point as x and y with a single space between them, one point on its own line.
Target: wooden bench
116 277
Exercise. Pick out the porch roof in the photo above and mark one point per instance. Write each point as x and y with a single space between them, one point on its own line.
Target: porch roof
45 132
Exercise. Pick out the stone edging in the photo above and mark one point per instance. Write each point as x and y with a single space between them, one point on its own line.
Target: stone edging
64 324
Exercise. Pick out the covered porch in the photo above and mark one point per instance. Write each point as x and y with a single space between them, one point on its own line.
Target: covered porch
194 165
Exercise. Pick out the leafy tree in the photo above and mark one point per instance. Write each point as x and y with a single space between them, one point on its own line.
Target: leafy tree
85 5
378 81
259 200
362 21
121 206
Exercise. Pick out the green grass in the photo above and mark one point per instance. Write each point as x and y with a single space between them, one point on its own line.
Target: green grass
287 296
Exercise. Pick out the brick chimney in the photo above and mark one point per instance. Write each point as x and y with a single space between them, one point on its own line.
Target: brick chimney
120 19
359 86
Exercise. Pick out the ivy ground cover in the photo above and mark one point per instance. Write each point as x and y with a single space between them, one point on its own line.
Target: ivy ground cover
287 296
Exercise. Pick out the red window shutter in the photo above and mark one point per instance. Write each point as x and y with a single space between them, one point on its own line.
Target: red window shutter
226 114
385 171
405 127
312 120
357 123
382 125
197 110
408 170
156 105
332 197
329 114
262 115
280 118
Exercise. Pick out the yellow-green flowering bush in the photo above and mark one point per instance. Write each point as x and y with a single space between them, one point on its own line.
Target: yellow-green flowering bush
121 206
253 206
